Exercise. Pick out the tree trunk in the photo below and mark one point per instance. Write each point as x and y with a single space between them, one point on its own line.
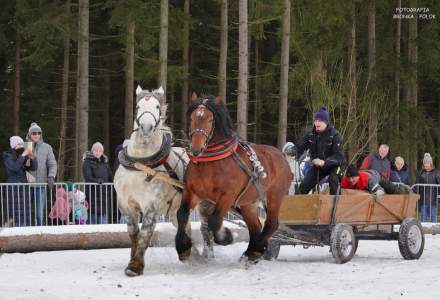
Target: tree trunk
77 168
437 131
106 109
83 61
397 72
371 81
284 76
257 89
163 44
223 49
94 240
243 69
17 81
353 145
412 86
185 62
129 79
64 100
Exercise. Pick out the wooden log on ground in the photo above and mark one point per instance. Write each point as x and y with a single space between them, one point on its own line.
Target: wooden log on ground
95 240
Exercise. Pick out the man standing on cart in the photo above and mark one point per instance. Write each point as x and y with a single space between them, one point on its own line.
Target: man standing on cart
325 147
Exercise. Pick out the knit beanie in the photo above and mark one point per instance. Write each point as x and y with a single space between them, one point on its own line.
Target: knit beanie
70 185
287 147
34 128
427 159
15 140
352 171
322 115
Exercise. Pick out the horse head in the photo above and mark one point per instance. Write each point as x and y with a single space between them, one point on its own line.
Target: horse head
209 121
150 111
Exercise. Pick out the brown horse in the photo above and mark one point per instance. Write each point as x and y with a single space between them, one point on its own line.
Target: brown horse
221 170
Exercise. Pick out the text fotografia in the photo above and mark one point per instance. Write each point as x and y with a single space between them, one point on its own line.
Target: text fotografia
413 13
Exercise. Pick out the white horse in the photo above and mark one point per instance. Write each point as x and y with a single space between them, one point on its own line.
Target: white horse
139 194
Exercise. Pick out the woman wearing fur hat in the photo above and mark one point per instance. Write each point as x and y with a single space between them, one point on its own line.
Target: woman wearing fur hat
428 194
325 148
17 161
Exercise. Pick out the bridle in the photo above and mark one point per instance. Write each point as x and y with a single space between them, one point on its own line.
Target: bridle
199 131
138 118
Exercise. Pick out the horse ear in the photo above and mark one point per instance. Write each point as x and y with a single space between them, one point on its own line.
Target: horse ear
160 90
138 90
194 96
218 100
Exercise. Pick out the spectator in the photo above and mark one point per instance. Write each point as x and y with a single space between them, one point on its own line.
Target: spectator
67 202
428 194
371 181
96 170
399 171
378 161
17 161
325 147
46 172
289 152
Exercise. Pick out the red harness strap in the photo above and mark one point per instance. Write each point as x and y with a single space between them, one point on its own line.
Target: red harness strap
209 154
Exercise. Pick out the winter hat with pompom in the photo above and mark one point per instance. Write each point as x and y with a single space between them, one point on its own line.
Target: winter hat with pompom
322 115
427 159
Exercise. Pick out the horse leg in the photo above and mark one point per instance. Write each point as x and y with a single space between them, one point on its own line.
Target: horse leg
133 231
222 235
250 216
206 208
182 239
271 224
136 265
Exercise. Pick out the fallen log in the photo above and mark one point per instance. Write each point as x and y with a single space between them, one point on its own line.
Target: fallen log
94 240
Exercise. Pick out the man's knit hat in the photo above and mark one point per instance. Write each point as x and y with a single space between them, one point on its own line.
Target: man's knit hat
322 115
352 171
15 140
34 128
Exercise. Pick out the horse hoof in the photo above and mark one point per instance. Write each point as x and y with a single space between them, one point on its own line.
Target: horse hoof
183 245
132 272
184 256
226 238
252 257
208 253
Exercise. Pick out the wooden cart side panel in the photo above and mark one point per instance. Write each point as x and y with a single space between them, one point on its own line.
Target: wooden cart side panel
300 209
351 209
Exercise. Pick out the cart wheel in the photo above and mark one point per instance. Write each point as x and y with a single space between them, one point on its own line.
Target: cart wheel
342 243
272 250
356 244
411 239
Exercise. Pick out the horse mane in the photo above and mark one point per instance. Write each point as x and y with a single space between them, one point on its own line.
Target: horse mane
222 119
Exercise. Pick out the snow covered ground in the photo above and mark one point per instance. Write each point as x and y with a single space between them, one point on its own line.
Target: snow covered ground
376 272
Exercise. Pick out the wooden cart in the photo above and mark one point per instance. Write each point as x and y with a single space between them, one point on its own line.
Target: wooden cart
341 221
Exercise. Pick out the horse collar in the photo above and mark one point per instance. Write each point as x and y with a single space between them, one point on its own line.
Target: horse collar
152 161
215 152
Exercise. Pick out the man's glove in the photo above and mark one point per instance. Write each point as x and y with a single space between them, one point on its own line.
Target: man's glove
318 162
50 182
378 195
